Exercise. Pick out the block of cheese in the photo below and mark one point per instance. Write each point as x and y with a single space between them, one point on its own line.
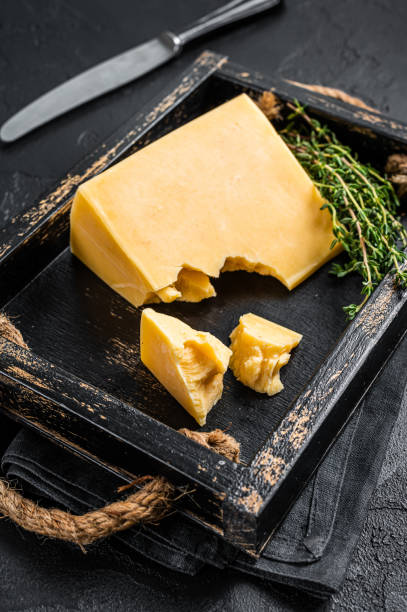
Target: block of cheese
222 192
189 363
259 349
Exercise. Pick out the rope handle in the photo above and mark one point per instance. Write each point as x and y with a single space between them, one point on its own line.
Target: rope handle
338 94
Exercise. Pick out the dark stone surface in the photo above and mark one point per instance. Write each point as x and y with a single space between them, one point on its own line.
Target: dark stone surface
359 46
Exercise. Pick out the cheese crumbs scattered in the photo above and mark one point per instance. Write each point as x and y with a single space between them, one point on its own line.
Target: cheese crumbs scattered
189 363
259 349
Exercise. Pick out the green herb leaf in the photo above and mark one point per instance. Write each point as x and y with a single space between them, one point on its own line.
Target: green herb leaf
363 204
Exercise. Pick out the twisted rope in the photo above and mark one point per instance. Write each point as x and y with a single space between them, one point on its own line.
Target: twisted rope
333 92
10 332
217 440
149 504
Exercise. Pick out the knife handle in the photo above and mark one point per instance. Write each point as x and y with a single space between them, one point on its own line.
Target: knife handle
230 13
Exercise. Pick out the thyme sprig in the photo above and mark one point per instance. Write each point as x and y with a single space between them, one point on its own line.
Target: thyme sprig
362 203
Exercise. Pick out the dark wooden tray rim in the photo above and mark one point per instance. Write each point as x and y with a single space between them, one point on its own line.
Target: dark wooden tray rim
244 504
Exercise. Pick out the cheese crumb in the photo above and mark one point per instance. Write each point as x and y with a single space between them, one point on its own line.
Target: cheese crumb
260 348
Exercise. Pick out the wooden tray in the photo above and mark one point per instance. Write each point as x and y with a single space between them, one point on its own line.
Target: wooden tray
83 384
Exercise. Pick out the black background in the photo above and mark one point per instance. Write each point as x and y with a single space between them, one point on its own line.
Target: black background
359 45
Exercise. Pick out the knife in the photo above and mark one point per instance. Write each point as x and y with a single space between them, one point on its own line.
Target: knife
124 68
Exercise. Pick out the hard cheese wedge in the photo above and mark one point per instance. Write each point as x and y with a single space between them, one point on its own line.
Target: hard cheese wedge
222 192
259 349
189 363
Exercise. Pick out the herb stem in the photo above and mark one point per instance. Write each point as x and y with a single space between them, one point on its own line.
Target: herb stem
362 203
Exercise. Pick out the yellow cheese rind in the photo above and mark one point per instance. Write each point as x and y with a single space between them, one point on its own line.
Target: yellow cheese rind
260 348
222 192
190 364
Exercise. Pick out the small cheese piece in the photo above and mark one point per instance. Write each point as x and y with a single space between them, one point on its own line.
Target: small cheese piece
222 192
189 363
259 349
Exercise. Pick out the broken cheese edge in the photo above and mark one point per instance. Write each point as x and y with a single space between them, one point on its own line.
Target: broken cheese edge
223 192
190 364
260 348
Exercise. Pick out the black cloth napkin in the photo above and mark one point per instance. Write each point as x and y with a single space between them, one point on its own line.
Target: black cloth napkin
312 548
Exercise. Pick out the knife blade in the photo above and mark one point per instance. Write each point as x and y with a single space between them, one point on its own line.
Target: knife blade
123 68
90 84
